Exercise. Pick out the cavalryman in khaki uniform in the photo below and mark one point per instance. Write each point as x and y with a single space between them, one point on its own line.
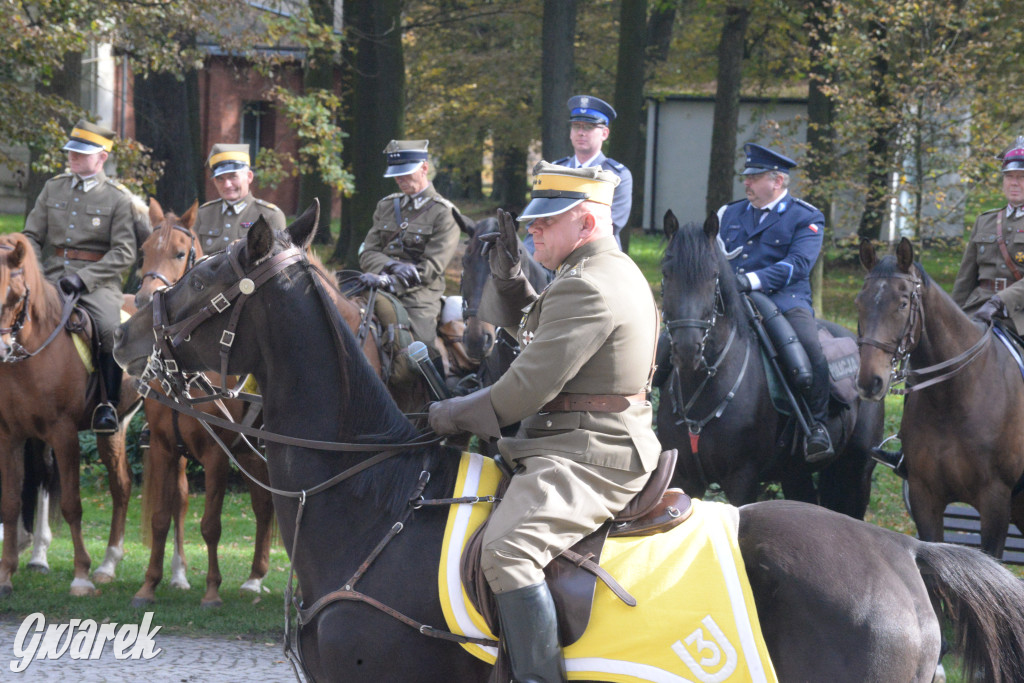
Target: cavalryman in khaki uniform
83 232
413 239
989 282
222 221
585 446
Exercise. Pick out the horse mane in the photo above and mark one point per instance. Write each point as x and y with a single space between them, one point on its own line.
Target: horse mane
887 266
692 259
44 302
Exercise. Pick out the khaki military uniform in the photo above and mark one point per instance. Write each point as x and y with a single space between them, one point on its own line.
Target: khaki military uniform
219 223
425 236
983 270
93 216
592 331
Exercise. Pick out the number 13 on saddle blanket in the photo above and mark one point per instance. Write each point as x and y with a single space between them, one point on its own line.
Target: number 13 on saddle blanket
695 618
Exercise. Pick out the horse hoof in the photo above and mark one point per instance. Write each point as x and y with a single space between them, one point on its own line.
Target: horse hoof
252 586
83 588
181 585
211 604
142 602
102 578
38 568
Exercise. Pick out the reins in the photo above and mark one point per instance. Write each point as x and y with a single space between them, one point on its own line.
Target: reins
19 352
907 341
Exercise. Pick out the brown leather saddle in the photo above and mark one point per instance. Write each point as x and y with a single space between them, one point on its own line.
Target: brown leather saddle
572 576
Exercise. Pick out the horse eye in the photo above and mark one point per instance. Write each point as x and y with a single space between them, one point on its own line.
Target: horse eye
197 284
180 255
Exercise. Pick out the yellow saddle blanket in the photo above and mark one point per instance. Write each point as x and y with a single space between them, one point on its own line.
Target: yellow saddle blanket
695 618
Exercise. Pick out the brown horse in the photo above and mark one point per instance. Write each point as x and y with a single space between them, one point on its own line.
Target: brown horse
167 254
962 434
45 395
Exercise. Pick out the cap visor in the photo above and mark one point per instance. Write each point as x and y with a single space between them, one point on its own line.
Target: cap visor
228 168
541 207
402 169
1013 166
81 147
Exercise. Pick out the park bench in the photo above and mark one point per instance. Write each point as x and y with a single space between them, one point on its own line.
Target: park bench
961 525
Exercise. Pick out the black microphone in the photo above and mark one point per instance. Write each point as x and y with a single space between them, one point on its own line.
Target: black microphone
417 352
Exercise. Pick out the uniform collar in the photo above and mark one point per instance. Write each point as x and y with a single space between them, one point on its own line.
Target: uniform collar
1014 211
595 160
238 207
86 184
772 204
587 250
420 198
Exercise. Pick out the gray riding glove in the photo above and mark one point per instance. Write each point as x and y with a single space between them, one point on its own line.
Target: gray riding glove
471 413
405 273
374 280
503 248
993 308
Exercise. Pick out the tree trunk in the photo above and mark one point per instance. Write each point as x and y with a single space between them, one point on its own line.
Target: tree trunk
627 141
319 75
819 127
510 188
377 114
66 83
557 76
721 174
162 121
877 179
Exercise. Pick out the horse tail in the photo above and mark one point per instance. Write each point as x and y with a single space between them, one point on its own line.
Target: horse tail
985 604
40 474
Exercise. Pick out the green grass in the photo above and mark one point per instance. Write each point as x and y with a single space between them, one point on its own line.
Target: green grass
11 223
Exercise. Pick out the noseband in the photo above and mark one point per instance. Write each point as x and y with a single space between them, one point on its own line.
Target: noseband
700 324
188 266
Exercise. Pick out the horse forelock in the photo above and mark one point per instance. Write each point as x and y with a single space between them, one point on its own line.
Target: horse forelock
887 266
44 302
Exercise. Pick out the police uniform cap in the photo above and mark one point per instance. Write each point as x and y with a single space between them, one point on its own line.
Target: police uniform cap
761 160
556 189
89 138
1013 156
405 156
590 109
225 158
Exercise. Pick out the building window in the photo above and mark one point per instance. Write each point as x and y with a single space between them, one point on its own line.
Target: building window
257 127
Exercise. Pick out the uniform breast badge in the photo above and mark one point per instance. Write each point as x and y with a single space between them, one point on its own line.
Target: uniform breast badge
528 336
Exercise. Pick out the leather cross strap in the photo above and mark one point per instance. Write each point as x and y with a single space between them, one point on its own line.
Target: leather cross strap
81 254
591 403
1001 241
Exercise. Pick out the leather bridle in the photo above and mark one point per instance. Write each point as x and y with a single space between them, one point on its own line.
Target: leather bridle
190 262
17 352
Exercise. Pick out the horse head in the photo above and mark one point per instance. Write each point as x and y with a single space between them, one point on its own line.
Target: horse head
697 288
168 252
889 315
30 303
479 336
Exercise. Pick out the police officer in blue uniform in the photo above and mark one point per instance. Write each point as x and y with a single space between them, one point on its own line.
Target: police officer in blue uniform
772 240
589 118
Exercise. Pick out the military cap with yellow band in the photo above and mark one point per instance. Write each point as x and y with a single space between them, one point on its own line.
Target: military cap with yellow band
225 158
89 138
556 189
405 156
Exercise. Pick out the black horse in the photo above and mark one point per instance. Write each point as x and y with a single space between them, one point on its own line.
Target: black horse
838 599
715 406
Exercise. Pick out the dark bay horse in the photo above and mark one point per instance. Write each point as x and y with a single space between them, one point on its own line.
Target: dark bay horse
962 434
839 600
718 383
168 253
44 395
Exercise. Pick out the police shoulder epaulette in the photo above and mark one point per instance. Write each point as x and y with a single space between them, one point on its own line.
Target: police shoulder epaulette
616 165
737 201
263 202
561 162
806 205
212 201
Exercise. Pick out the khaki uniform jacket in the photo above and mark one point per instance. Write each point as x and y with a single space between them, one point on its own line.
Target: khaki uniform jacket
593 330
983 260
217 227
95 216
427 238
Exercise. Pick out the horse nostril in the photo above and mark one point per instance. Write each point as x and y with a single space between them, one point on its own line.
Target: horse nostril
118 334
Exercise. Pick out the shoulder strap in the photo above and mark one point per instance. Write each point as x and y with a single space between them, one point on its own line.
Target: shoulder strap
1001 241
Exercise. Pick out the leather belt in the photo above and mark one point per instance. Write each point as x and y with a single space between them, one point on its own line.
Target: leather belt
997 285
591 403
79 254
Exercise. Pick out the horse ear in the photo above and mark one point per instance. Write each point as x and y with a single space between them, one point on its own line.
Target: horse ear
156 212
670 224
466 225
711 226
17 257
868 257
259 241
303 229
905 255
189 219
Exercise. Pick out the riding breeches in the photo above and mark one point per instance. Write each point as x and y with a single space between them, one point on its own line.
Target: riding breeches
104 307
551 504
806 330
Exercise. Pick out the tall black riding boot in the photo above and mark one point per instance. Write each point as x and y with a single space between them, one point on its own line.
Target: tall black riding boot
104 417
530 631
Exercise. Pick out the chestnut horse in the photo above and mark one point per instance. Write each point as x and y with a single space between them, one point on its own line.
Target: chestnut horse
962 434
45 395
838 599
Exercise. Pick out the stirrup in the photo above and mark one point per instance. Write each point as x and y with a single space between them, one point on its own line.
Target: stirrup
814 457
100 422
894 460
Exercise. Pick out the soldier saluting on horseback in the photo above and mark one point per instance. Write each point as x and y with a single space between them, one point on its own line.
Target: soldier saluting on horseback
83 232
585 446
772 241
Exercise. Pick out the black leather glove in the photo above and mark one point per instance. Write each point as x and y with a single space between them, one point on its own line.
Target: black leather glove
71 284
503 248
405 273
743 283
993 308
374 280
